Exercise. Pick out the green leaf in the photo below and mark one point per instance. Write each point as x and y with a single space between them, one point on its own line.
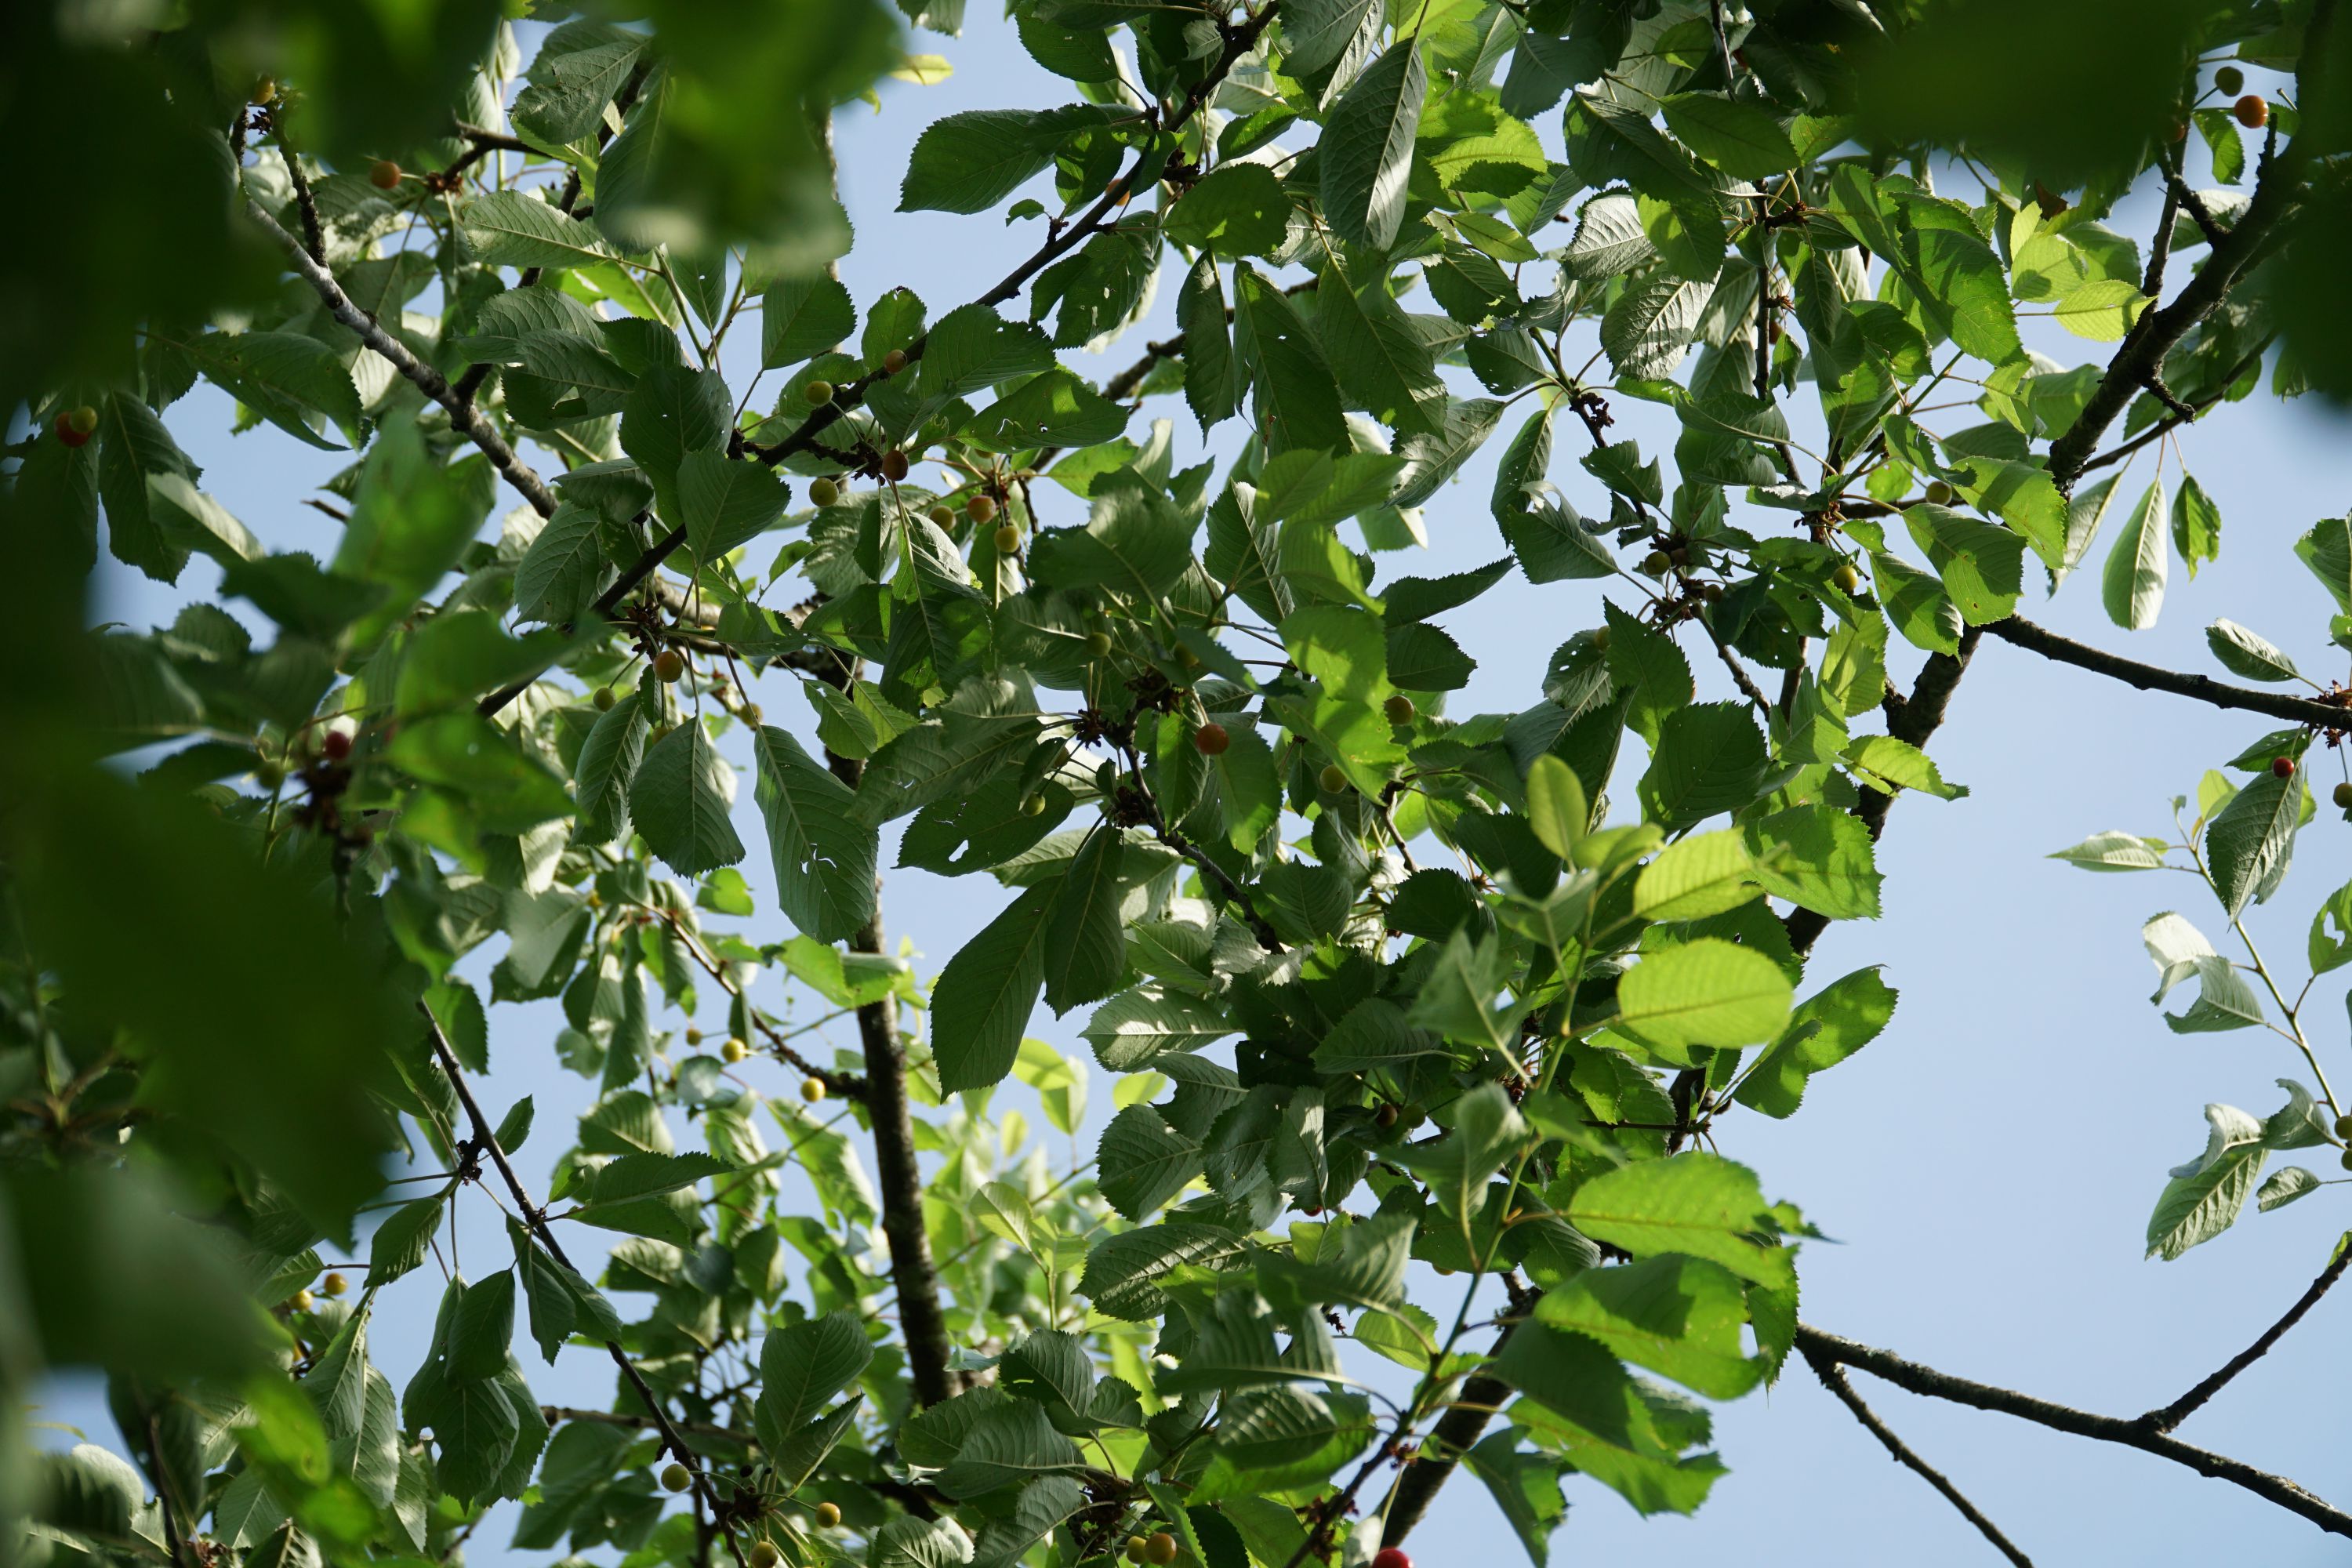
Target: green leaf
2101 309
1488 1134
1366 153
1708 992
482 1329
512 229
1054 409
564 569
2247 844
2114 851
1825 1029
802 317
2205 1196
1697 877
398 1246
1649 329
1697 1204
1676 1315
1086 948
1292 392
2285 1185
2326 548
802 1368
1237 209
824 852
968 162
1981 563
1890 764
2196 524
1740 138
725 502
1371 1036
1143 1163
1557 809
2246 653
2132 587
680 799
1211 377
1010 1443
1709 759
1380 362
981 1007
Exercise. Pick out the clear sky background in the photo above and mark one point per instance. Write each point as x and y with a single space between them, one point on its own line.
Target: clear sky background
1986 1165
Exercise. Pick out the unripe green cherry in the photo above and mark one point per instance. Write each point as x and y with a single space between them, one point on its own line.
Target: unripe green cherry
1656 564
980 509
1939 494
812 1089
670 667
1386 1115
893 362
304 1300
1847 577
1033 803
763 1555
2345 1159
2344 1128
827 1515
2343 797
818 393
605 699
1135 1549
2229 81
1008 539
1333 778
1099 644
1399 709
268 776
693 1036
941 515
734 1050
824 493
1211 740
676 1479
1161 1548
385 174
334 1285
1601 639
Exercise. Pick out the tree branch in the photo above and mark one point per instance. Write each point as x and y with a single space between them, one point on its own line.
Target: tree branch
2155 332
1833 1378
1454 1434
2130 1434
535 1218
467 421
2180 1409
2334 713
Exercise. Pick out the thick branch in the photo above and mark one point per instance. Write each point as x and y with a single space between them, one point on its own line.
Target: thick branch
1833 1378
2130 1434
1455 1433
427 380
1914 718
535 1218
898 1176
2154 334
2180 1409
2316 713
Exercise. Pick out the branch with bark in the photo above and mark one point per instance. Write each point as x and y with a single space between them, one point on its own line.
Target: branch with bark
1833 1377
2171 1416
2331 712
2131 1433
464 417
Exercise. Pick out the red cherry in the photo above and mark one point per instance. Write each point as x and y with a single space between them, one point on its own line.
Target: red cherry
2252 113
335 745
2283 767
1211 740
1391 1557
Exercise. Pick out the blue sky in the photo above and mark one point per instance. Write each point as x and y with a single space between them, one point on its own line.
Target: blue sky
1986 1165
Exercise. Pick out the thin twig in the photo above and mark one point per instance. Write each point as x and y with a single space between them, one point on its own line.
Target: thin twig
2180 1409
535 1219
2130 1434
1833 1378
463 417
